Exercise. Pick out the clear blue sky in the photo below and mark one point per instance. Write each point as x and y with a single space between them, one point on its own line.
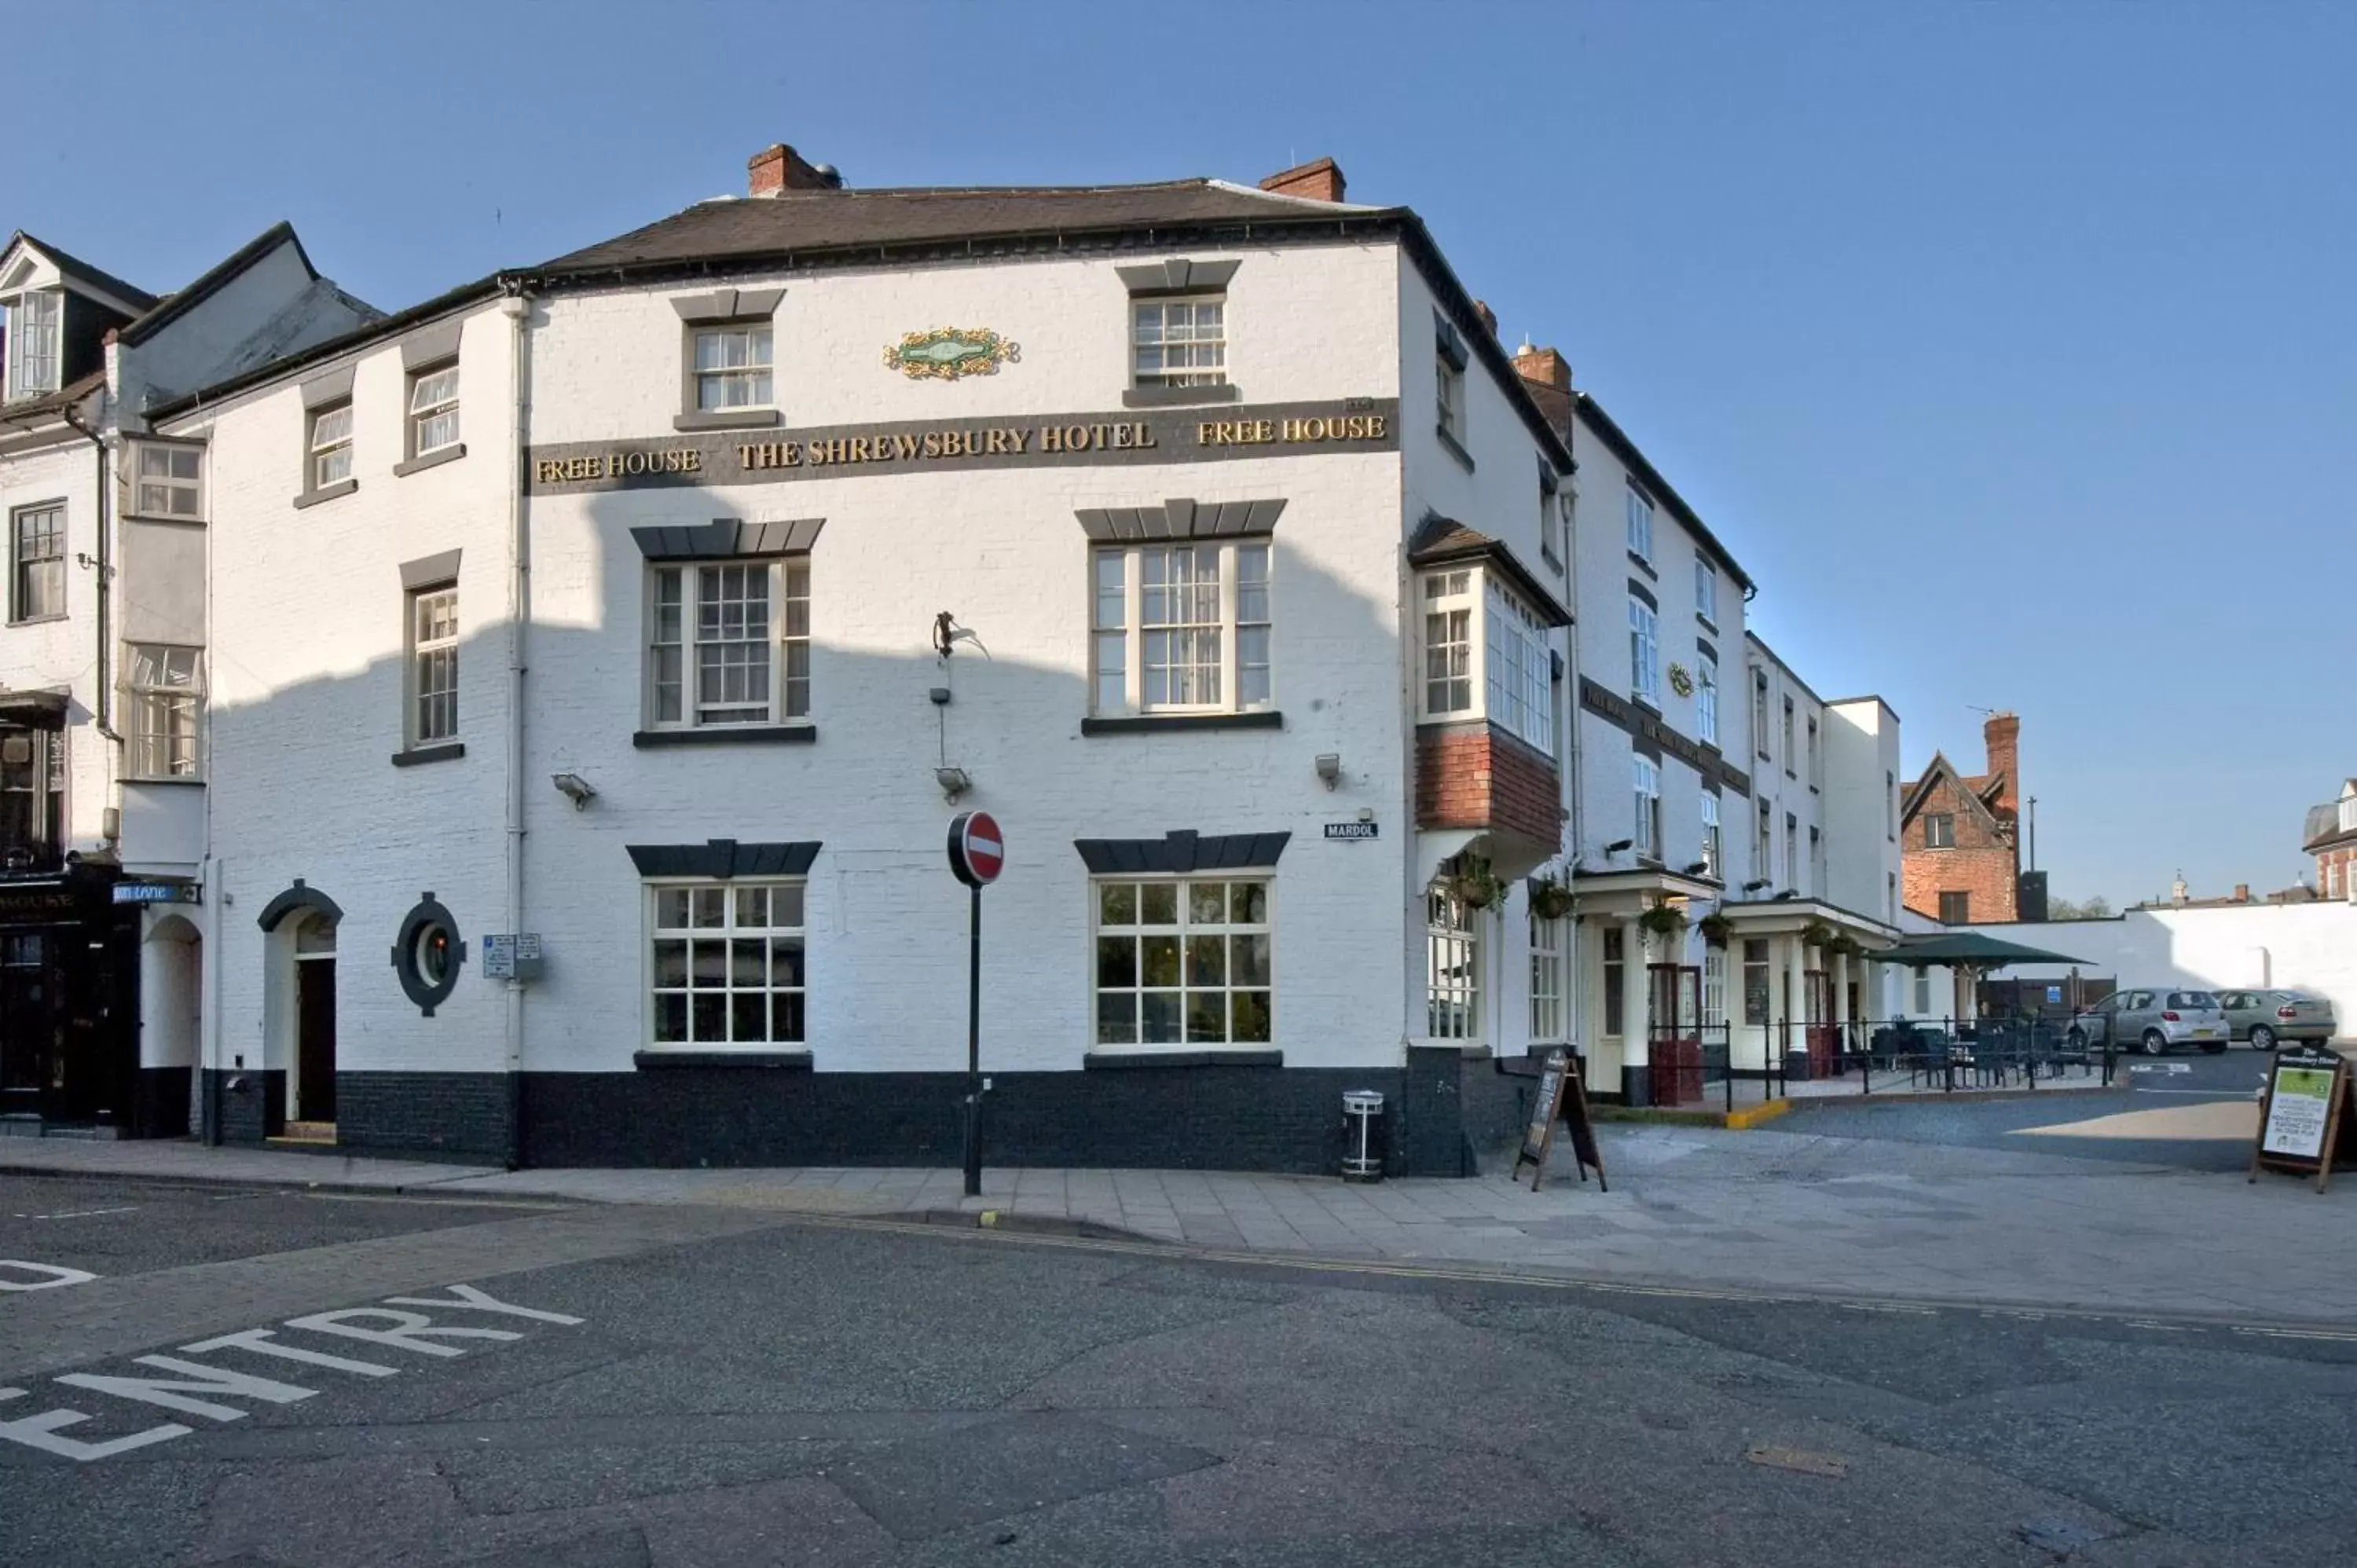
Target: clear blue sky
2011 346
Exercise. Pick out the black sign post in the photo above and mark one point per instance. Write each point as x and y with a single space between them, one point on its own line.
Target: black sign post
977 855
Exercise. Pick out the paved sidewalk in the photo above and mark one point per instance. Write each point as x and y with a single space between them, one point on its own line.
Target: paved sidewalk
1761 1210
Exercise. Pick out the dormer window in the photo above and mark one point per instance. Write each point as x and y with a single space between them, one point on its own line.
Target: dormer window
34 339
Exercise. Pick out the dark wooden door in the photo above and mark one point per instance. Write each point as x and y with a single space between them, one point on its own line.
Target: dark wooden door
28 1022
315 1039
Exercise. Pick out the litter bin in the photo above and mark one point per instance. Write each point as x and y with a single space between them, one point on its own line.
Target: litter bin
1363 1135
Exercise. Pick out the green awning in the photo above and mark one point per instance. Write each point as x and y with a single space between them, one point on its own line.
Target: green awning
1971 950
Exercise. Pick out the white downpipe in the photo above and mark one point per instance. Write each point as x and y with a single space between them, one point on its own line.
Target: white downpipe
516 308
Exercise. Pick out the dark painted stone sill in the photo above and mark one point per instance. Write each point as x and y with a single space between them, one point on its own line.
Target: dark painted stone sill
726 734
1704 622
434 459
1152 724
177 781
1548 556
1453 448
158 517
728 419
418 755
1122 1061
339 489
1180 397
1643 565
793 1061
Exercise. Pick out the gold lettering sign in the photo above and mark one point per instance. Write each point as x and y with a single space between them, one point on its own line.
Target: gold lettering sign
1290 432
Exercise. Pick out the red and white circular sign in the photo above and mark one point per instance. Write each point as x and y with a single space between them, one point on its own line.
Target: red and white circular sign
977 853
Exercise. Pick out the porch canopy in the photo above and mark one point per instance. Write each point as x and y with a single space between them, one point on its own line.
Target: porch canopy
1965 950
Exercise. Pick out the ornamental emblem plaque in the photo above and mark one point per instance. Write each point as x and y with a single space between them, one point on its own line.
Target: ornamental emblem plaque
948 353
1681 681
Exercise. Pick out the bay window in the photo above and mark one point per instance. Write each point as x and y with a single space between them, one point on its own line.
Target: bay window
170 482
1183 961
1518 673
728 643
1181 628
726 966
1448 643
166 691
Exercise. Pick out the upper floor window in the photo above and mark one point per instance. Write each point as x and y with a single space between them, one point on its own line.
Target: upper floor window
34 336
38 546
732 367
1706 700
1955 909
167 688
1712 864
1816 766
1179 342
32 797
1448 643
1788 735
728 643
1449 398
170 481
1640 525
1555 514
1649 806
2349 811
1891 812
1791 850
1645 652
1763 851
1706 590
331 445
1816 857
1182 628
1940 830
432 665
1546 979
1759 708
1518 671
432 410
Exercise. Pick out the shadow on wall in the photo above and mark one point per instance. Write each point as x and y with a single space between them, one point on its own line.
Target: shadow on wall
885 923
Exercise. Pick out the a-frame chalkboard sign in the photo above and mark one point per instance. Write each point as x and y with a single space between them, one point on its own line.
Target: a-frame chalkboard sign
1561 1098
2310 1101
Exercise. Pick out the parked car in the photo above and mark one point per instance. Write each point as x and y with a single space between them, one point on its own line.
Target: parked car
2152 1021
2263 1017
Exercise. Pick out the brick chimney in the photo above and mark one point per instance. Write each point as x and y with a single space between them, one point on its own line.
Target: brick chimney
1318 181
1489 317
2002 735
1542 367
777 169
2241 892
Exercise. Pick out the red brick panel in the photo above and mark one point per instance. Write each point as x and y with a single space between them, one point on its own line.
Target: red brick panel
1477 776
1982 862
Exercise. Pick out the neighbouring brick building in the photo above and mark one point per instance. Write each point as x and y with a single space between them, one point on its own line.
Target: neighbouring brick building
2331 837
1960 835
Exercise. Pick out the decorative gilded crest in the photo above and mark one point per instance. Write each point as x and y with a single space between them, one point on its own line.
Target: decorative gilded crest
1681 681
947 353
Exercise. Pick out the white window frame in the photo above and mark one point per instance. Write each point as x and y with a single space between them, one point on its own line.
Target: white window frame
1445 594
1939 830
1816 758
753 373
434 409
159 489
164 688
1791 850
1890 815
788 637
1714 852
1645 778
1766 847
327 447
1151 334
1640 524
1706 590
36 349
1759 710
1453 990
1547 956
731 978
1706 700
1517 668
1787 735
1241 675
1241 935
49 564
1644 651
1713 987
432 707
1448 398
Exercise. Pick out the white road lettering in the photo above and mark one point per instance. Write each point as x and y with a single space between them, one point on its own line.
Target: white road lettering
56 1277
469 1296
262 1342
195 1378
404 1335
41 1432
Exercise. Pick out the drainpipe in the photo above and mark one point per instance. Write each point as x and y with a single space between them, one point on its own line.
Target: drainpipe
103 707
516 307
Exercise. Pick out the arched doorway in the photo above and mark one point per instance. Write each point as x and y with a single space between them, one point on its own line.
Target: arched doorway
171 1006
311 1087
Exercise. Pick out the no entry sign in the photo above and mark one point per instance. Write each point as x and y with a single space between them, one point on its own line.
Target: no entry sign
976 852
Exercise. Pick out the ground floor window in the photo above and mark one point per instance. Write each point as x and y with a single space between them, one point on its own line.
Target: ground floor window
1183 961
727 963
1713 987
1923 994
1546 979
1616 979
1755 979
1453 986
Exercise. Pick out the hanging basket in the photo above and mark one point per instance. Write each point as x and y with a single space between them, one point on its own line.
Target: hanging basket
1663 920
1550 900
1715 929
1817 934
1475 884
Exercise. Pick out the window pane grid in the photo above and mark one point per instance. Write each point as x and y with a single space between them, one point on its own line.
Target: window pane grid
331 446
167 711
1453 957
1178 617
170 482
732 368
1546 979
40 552
33 332
434 623
727 964
1644 651
1519 675
1179 342
1183 962
434 411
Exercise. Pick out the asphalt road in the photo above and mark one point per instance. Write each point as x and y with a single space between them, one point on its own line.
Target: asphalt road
2144 1083
634 1387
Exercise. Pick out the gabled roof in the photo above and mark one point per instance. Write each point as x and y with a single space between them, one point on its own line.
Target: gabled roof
1443 540
1919 790
83 273
172 306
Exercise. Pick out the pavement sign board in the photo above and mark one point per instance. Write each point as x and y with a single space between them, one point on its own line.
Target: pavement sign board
1561 1098
2311 1093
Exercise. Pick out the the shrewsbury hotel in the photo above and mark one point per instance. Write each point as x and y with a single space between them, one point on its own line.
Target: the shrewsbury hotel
591 658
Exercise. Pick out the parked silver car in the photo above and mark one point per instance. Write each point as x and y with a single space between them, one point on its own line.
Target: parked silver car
2263 1017
2152 1021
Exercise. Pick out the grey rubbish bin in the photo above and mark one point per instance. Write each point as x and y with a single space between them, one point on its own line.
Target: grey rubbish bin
1363 1135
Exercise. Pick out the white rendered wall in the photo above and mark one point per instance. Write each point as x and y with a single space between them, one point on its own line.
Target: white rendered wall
2305 947
62 654
1861 841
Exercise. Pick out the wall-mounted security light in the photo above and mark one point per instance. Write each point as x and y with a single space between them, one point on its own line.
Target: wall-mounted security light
1755 884
575 789
1617 845
1329 767
954 781
1695 868
1788 893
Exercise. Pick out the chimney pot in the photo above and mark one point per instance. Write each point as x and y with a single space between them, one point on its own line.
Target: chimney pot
777 169
1319 181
